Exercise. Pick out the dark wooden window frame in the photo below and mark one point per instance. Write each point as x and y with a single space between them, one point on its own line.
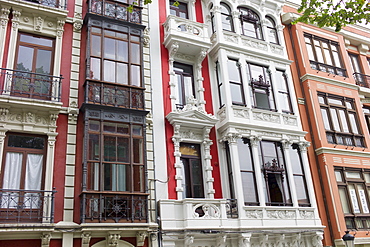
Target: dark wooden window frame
272 28
295 148
287 92
366 110
227 15
361 220
239 83
130 33
349 138
251 17
176 67
178 10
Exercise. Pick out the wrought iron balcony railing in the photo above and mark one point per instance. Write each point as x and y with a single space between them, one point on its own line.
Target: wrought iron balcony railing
114 95
328 68
51 3
347 139
31 85
115 10
362 80
232 208
118 208
30 206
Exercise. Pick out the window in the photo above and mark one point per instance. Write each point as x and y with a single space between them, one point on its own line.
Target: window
117 9
247 172
250 23
220 86
115 57
23 172
185 83
366 110
340 120
115 157
353 187
273 168
272 31
236 83
190 158
357 70
226 18
298 175
34 63
261 89
324 55
179 9
283 92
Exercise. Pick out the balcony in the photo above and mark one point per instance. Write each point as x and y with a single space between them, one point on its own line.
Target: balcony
115 10
362 80
30 85
114 95
26 206
328 68
347 139
189 37
115 208
50 3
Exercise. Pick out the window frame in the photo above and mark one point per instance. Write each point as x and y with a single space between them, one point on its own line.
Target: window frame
285 92
239 83
272 29
177 9
333 132
229 15
353 219
180 84
251 17
336 66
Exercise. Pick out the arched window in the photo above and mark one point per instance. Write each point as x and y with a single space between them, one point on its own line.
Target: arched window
226 18
250 23
271 30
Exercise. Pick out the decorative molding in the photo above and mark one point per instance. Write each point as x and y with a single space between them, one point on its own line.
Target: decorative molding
38 24
305 214
317 239
281 214
4 17
245 239
290 120
266 117
189 239
86 236
146 37
45 239
112 239
241 113
210 211
254 214
16 19
221 240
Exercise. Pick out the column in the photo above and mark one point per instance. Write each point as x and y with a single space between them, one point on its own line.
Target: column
210 192
4 17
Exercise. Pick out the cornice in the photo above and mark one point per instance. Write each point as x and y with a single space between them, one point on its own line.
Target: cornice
325 150
329 81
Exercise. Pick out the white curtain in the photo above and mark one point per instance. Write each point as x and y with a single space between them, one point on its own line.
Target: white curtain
12 177
33 180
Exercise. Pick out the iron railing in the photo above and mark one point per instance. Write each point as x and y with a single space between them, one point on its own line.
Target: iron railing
32 206
103 207
362 80
51 3
328 68
31 85
232 208
115 10
345 139
114 95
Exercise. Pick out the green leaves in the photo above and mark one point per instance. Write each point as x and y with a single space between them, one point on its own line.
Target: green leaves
334 13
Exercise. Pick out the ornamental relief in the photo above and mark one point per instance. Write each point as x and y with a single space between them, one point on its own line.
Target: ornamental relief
281 214
267 117
188 134
254 214
290 120
304 214
241 113
28 117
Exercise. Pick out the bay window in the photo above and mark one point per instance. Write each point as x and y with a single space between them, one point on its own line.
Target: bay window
179 9
353 188
340 120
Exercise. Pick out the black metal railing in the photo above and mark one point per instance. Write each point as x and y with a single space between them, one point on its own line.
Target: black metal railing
115 10
50 3
102 207
328 68
362 80
114 95
30 206
31 85
345 139
232 208
357 222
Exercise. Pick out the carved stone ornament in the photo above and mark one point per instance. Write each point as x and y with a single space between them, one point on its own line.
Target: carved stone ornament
4 15
86 236
254 214
140 238
45 239
189 239
221 240
16 19
245 239
281 214
317 239
112 239
206 211
77 25
146 39
304 214
38 23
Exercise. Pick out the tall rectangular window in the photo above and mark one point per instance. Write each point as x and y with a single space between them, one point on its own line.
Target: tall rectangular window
33 67
276 184
115 157
366 110
354 189
220 85
324 55
247 172
340 120
115 56
192 167
184 83
283 92
236 83
261 88
179 9
360 78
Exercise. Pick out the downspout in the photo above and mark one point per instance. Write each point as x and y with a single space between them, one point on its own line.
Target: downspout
311 131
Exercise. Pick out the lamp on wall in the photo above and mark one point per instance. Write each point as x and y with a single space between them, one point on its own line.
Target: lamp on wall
349 239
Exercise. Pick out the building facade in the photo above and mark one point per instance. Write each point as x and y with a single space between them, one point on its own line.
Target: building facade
331 78
76 137
236 171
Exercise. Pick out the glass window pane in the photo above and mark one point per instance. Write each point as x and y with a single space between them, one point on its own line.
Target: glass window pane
233 70
96 46
338 176
109 71
354 200
138 178
138 151
249 187
122 51
95 68
353 175
122 74
245 156
295 161
137 130
43 63
236 93
110 148
109 127
25 58
344 200
123 129
135 75
352 119
301 190
135 53
343 121
262 99
109 48
94 147
123 149
334 118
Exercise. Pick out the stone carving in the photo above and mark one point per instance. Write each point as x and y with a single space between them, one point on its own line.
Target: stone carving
189 239
281 214
38 24
60 27
270 134
146 38
266 117
112 239
245 239
304 214
4 15
231 137
15 19
317 239
206 211
221 240
254 214
222 114
241 113
173 50
3 114
140 238
290 120
86 236
45 239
